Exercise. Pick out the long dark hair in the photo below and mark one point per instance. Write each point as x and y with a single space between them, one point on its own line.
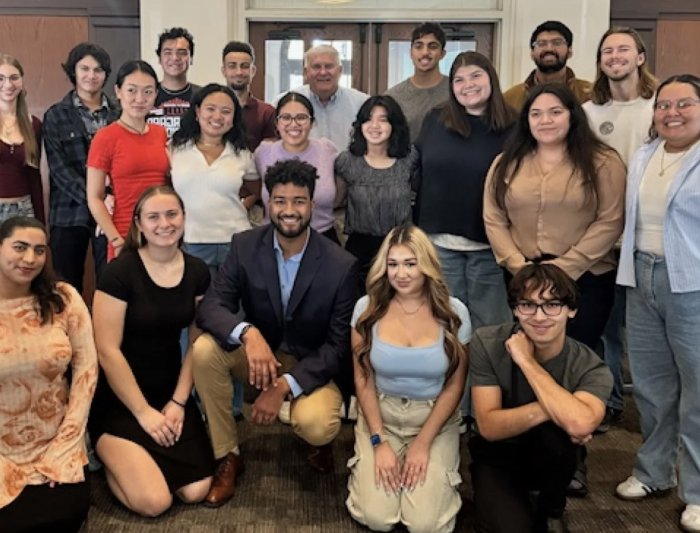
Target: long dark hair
582 145
400 138
191 131
498 114
134 238
690 79
49 299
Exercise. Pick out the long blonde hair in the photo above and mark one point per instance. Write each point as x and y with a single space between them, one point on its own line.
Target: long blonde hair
24 119
380 293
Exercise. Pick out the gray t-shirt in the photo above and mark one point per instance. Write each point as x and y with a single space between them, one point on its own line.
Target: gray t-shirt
416 102
576 368
379 199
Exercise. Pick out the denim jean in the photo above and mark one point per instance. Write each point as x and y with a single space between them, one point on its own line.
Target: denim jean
214 255
477 281
22 207
663 338
614 347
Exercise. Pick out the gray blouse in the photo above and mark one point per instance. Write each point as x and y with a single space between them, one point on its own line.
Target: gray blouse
379 199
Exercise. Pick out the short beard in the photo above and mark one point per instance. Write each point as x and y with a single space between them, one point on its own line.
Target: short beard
240 87
290 234
545 68
620 77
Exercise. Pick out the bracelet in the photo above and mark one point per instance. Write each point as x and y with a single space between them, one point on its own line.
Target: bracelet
177 403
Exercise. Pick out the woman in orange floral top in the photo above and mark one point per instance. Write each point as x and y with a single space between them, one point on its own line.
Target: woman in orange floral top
45 328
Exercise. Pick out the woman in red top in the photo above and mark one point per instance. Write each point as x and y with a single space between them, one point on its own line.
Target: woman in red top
130 151
20 147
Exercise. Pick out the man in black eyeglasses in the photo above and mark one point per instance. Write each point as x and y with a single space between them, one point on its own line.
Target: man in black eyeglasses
537 395
550 49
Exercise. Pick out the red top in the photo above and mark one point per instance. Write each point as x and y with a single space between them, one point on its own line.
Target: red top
18 179
133 162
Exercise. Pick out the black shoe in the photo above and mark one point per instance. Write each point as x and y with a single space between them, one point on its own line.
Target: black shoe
578 486
613 417
557 525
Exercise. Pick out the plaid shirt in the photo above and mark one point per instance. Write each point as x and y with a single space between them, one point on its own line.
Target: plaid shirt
67 141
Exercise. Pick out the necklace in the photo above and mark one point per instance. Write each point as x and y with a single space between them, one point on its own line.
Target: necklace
9 129
210 145
410 313
665 168
135 130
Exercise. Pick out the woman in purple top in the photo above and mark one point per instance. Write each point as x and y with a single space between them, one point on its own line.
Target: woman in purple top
295 117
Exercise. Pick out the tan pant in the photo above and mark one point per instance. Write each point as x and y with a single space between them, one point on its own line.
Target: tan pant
431 507
315 418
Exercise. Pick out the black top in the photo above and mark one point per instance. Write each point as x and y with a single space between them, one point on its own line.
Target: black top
453 171
155 316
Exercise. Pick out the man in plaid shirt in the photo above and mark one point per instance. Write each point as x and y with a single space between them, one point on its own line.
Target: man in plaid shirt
69 127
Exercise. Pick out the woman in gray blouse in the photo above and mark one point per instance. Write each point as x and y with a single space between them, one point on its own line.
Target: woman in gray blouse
409 342
375 173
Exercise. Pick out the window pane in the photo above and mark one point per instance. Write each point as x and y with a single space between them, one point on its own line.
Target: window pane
401 66
284 66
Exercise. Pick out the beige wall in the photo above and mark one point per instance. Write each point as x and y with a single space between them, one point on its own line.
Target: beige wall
214 22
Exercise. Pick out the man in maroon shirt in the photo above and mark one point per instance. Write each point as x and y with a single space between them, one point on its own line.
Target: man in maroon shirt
239 68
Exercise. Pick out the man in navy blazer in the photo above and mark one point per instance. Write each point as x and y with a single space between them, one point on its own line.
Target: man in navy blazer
298 289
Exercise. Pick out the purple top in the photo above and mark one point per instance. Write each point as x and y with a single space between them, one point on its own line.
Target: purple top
320 153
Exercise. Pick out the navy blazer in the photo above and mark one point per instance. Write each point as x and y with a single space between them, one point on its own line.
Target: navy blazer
317 324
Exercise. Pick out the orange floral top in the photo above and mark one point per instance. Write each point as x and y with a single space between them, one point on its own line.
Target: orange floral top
42 418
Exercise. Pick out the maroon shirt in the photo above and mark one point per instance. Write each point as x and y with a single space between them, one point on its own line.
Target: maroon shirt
259 119
18 179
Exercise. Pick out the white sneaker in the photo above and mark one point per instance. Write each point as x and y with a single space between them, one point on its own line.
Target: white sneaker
690 519
633 490
285 414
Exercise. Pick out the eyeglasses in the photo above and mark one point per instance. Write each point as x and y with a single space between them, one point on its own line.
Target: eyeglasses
548 308
14 79
301 119
542 43
667 105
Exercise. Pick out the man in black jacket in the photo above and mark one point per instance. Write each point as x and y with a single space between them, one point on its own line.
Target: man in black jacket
69 127
298 290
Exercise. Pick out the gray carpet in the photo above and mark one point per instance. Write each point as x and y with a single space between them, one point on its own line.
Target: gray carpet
278 493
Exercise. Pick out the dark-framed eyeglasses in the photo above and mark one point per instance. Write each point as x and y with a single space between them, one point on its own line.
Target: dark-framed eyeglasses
301 119
527 308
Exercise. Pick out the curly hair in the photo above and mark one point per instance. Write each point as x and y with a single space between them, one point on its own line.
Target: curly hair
380 293
49 299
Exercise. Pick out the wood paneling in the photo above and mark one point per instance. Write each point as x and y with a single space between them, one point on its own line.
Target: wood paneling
677 48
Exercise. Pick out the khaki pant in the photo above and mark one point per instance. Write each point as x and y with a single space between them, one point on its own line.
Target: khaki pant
315 418
431 507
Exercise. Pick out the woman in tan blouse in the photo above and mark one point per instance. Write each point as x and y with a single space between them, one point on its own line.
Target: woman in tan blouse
44 328
556 195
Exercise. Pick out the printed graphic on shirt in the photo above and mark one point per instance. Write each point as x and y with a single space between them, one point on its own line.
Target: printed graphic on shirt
169 108
606 128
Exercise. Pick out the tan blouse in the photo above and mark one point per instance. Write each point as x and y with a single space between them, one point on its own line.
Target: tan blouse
547 214
42 418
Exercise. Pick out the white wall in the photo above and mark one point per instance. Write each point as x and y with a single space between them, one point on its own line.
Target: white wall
214 22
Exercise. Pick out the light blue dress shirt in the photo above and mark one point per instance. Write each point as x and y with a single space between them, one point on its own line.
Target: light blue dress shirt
334 119
287 270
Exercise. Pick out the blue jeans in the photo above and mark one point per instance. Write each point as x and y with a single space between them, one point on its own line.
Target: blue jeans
22 207
477 281
614 347
663 338
214 256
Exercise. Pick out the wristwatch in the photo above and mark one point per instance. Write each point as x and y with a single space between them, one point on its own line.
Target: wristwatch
376 439
244 331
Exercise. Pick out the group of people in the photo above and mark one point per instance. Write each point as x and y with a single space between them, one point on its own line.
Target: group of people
495 241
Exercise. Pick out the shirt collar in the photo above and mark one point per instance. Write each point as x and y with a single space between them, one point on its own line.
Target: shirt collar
251 103
278 249
77 102
331 100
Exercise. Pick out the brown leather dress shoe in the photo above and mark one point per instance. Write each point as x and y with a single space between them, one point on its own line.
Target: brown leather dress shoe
320 458
223 486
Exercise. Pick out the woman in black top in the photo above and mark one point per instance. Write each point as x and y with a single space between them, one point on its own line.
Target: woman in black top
457 145
144 422
376 173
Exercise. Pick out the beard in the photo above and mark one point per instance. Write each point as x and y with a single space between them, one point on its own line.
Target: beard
549 68
620 77
290 234
238 86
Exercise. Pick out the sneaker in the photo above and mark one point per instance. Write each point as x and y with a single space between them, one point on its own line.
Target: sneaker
613 417
690 519
578 486
285 414
632 490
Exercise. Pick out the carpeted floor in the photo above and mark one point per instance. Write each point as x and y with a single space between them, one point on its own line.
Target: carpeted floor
279 494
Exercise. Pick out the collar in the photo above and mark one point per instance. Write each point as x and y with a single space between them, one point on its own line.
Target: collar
332 99
251 103
77 102
531 81
278 249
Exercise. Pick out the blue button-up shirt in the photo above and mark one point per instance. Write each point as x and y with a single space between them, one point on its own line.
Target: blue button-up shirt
287 270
